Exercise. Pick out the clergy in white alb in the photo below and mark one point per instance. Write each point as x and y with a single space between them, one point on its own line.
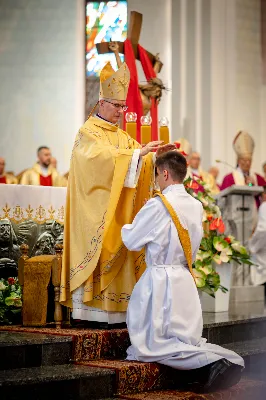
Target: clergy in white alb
164 315
257 246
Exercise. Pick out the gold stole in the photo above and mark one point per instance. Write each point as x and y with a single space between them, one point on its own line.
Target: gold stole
182 232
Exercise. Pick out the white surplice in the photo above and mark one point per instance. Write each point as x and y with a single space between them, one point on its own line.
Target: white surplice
164 316
257 246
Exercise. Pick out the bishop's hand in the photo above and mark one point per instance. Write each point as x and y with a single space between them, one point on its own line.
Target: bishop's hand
152 146
164 149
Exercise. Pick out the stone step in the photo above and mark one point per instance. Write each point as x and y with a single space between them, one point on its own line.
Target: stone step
153 376
244 390
94 344
66 382
235 330
25 350
137 377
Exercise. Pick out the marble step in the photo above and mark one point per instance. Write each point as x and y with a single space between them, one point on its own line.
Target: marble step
25 350
244 390
153 376
94 344
66 382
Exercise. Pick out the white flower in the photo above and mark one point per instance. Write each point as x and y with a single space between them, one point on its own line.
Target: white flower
236 246
13 288
217 211
2 286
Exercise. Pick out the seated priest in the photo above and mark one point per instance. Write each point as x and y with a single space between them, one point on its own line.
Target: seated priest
196 172
110 177
7 178
244 147
164 316
42 173
257 246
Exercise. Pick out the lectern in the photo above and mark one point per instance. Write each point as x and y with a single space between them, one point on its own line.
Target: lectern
239 212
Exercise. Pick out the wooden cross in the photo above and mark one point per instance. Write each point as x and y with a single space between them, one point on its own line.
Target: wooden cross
133 35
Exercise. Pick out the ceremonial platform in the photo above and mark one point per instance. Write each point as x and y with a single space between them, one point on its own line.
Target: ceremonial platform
45 363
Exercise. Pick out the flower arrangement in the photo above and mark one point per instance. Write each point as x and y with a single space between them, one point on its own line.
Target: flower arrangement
10 300
215 246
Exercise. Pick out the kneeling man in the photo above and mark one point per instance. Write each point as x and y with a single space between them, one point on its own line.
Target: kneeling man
164 315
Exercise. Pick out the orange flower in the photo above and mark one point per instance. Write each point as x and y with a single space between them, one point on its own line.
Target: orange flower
192 185
177 145
228 240
209 218
217 224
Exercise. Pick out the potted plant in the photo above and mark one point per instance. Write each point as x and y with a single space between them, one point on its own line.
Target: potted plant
10 301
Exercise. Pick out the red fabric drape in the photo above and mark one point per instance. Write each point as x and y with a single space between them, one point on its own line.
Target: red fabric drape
149 73
133 98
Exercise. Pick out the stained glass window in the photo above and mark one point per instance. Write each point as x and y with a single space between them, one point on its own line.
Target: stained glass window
105 21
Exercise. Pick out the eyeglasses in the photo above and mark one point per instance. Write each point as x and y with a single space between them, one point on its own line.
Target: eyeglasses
117 106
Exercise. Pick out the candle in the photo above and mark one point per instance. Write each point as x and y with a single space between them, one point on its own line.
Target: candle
131 124
145 129
164 130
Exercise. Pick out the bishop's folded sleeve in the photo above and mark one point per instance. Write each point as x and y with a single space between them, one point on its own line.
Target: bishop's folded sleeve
133 170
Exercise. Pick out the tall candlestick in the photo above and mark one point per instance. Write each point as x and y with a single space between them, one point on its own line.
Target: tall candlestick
145 129
164 130
131 124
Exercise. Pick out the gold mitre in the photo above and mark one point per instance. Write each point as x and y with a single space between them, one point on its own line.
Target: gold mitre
243 145
114 84
185 146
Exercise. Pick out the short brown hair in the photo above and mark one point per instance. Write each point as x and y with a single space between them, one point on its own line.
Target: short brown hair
175 163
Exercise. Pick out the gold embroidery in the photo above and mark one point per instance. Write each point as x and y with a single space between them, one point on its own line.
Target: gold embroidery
182 232
39 214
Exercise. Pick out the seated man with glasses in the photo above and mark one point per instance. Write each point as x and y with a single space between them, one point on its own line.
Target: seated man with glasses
110 177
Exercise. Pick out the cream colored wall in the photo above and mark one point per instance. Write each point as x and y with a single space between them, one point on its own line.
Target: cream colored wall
211 55
217 87
42 79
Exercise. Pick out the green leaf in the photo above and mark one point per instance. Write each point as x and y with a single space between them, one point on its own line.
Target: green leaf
207 269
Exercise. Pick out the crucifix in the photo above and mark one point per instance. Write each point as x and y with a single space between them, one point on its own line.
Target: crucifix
133 35
153 88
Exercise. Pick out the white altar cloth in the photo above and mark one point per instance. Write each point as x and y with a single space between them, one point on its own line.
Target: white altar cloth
19 203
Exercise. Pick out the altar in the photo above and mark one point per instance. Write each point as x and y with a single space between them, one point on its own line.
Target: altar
32 215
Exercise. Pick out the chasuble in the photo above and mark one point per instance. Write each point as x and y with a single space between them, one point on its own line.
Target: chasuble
108 184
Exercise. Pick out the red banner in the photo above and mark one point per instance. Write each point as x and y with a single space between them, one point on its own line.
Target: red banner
149 73
134 101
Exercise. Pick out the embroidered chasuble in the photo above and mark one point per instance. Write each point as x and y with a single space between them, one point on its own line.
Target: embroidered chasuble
107 186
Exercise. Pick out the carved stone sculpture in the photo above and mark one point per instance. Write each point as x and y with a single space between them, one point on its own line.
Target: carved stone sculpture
9 250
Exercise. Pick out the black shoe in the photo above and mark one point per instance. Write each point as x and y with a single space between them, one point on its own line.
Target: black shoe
222 375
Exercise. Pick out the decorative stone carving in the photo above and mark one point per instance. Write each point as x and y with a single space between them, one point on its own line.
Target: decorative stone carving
41 239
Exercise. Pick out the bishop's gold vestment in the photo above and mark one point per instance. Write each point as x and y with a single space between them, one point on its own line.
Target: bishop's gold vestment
98 205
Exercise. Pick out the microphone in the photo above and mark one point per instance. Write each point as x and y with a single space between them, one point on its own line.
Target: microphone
225 163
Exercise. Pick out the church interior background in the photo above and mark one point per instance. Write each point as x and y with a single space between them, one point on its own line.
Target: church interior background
211 51
214 70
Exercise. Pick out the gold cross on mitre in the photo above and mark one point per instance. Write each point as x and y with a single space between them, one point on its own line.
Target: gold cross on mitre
133 35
